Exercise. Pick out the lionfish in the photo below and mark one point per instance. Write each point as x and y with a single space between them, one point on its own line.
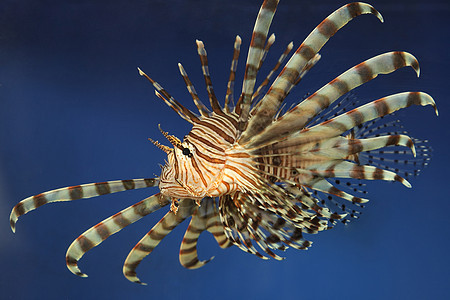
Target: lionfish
254 173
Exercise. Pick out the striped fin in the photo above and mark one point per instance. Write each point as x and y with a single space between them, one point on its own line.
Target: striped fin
77 192
246 223
309 202
346 169
154 237
188 250
393 159
320 211
341 147
311 63
262 240
254 56
299 60
323 132
230 86
321 184
170 101
203 218
299 116
274 69
252 222
397 161
235 226
269 44
367 112
378 127
342 105
346 147
204 111
305 70
209 87
364 143
215 227
259 227
381 64
100 232
325 200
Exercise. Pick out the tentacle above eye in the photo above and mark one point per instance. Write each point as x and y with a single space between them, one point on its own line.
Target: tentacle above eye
77 192
100 232
204 111
182 111
209 86
149 242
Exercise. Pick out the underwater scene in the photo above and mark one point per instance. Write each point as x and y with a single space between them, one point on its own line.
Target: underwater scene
75 109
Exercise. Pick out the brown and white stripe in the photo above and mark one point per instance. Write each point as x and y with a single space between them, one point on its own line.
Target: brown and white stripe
269 44
268 172
154 237
229 97
362 114
304 112
321 184
255 54
77 192
209 87
345 146
182 111
346 169
204 111
100 232
274 69
307 51
204 218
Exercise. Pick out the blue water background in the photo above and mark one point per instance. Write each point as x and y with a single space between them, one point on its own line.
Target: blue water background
74 110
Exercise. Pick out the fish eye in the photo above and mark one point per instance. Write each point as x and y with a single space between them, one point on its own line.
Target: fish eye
187 152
